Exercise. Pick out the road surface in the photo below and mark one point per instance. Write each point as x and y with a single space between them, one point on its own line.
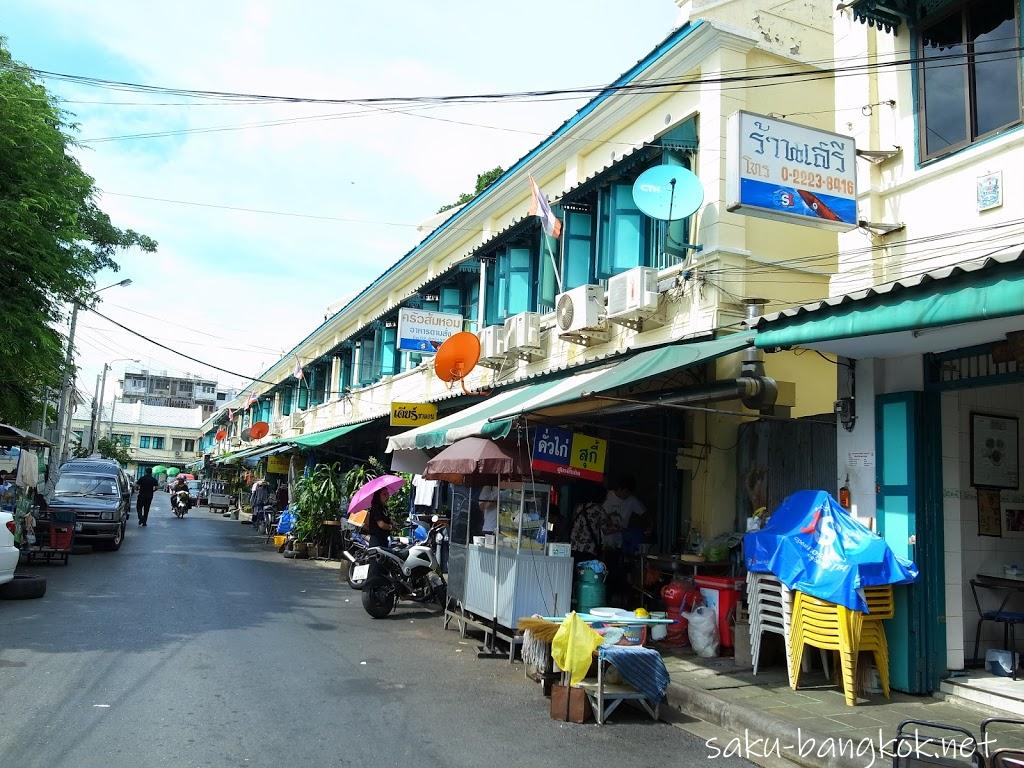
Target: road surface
198 645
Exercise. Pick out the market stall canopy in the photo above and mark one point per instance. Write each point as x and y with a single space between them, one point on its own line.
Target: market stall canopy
493 418
813 545
10 435
478 457
974 301
267 449
316 439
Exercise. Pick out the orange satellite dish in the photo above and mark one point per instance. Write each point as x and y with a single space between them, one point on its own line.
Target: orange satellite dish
457 357
259 429
221 434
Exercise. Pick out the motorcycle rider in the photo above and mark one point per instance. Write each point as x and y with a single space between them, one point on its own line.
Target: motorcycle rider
179 485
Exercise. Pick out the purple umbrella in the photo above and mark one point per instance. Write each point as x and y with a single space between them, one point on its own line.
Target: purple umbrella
361 499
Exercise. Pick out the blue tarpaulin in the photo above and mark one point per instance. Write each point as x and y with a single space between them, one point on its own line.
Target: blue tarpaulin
813 545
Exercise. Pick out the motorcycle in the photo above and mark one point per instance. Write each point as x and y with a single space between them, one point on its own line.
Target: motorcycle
405 573
180 503
355 548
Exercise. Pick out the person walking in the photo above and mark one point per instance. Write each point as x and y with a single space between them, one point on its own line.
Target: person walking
147 485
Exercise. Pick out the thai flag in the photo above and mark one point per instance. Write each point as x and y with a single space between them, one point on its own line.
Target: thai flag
252 400
539 207
231 415
297 371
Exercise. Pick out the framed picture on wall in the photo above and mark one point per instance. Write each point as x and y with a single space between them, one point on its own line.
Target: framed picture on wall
990 513
994 461
1013 520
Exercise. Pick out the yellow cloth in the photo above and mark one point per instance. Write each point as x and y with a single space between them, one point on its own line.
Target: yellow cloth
573 647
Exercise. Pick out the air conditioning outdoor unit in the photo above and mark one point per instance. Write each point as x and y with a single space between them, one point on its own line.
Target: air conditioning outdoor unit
522 333
492 345
579 313
633 296
177 454
235 441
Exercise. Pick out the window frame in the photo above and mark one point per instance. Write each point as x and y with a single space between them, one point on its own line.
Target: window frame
921 125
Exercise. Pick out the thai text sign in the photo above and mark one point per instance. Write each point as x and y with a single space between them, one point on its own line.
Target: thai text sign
278 464
412 414
790 172
570 454
423 331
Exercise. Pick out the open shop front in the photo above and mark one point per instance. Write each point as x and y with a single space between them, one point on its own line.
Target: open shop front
583 435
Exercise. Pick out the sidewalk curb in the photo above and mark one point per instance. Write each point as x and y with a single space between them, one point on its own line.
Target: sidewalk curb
757 724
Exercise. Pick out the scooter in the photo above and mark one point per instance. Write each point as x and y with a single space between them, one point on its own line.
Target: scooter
355 547
180 503
405 573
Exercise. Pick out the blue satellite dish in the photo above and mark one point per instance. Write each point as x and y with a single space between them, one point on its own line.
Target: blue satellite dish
668 192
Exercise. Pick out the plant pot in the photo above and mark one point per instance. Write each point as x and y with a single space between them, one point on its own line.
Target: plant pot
301 547
313 551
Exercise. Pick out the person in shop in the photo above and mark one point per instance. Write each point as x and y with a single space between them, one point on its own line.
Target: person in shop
488 503
147 486
281 496
586 537
623 514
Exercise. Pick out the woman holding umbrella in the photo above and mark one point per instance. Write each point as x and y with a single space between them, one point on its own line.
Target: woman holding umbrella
378 521
372 496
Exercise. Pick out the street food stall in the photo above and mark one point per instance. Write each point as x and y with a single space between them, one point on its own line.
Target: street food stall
500 566
39 533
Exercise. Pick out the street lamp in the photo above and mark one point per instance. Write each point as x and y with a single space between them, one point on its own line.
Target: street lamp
99 402
66 396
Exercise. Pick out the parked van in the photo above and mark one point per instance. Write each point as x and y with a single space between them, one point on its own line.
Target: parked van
98 492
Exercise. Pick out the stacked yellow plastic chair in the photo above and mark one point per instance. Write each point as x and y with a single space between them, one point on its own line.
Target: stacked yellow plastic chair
833 627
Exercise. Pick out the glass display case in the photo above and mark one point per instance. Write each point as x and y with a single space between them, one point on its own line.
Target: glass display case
523 516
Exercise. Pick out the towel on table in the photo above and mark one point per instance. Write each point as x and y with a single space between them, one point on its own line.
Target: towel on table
641 667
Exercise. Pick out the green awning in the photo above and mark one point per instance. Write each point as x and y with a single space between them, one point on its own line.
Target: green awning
992 291
319 438
494 417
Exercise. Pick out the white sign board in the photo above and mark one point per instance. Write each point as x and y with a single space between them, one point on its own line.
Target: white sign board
423 331
790 172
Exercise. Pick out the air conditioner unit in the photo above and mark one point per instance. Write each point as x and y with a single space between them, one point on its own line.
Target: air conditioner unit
579 313
295 420
522 332
633 295
177 454
235 441
492 345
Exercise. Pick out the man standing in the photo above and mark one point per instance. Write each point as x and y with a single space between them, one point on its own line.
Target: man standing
147 485
622 511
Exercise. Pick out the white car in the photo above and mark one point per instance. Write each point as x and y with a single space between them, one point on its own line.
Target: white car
8 552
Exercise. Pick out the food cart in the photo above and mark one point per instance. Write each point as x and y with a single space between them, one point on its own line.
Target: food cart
495 580
53 535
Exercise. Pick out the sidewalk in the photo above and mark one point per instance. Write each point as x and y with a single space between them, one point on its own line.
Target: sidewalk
811 727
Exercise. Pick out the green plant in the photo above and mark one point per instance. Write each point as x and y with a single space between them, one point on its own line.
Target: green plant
318 497
109 448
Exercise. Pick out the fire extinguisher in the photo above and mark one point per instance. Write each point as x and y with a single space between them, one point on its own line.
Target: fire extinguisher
844 495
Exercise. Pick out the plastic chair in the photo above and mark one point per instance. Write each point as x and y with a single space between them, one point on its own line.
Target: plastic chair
771 607
1009 620
833 627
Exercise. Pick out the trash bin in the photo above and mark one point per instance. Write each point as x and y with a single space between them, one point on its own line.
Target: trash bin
721 594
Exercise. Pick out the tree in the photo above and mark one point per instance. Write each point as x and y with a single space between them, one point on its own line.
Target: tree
53 239
109 448
483 181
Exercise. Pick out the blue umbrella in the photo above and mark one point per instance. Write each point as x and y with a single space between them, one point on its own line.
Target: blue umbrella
813 545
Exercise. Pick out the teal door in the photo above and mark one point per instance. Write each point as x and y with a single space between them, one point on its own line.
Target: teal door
909 509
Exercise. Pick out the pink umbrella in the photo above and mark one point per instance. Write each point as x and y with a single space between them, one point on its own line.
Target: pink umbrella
361 499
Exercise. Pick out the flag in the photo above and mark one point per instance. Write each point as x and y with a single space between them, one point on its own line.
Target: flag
539 207
297 371
252 399
231 415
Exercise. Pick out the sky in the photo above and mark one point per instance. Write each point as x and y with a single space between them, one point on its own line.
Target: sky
239 288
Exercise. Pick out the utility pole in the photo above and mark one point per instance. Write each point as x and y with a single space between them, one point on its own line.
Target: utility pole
103 390
97 415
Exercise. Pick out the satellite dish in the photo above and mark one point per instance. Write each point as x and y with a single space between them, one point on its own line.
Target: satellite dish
457 357
259 429
246 434
221 434
668 192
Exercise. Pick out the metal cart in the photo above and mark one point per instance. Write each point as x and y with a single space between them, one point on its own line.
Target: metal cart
54 536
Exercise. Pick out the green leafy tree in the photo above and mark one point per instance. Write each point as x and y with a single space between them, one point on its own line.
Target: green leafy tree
109 448
483 181
53 238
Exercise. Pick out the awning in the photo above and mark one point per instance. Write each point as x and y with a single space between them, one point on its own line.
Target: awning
315 439
494 417
972 291
10 435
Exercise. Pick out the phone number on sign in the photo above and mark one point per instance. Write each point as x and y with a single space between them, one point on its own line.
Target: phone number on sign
812 180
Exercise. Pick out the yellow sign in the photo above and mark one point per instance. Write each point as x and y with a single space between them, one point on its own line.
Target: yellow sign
587 455
412 414
277 464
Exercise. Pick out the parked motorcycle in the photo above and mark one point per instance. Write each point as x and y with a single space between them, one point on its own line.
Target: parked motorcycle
180 503
355 546
405 573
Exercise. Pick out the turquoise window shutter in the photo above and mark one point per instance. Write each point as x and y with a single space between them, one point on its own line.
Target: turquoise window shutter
389 356
547 285
303 395
579 249
492 308
144 441
286 402
345 374
520 281
451 300
473 303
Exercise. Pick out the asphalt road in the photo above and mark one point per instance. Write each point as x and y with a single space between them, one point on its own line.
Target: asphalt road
198 645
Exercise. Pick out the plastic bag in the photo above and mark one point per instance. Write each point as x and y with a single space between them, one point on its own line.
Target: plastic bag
703 631
286 522
573 647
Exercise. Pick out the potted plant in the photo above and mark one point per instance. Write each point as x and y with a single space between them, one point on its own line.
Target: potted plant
317 498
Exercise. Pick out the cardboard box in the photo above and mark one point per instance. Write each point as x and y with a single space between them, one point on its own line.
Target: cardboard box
570 705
